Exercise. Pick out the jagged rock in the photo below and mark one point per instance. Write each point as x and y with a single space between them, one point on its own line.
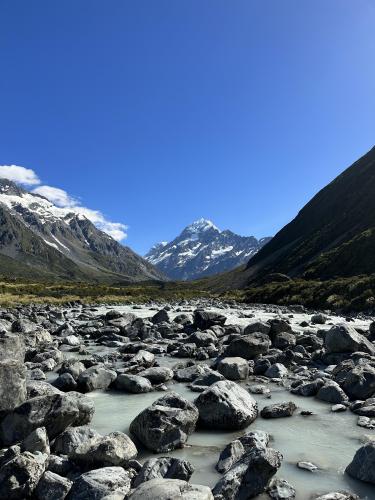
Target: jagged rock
166 424
234 368
249 346
160 317
231 454
11 347
331 392
12 384
105 451
359 383
105 483
164 467
362 466
65 382
226 405
168 489
279 410
250 476
338 496
344 338
20 476
133 383
53 487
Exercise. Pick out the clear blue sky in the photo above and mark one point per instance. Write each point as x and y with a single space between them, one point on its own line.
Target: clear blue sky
158 112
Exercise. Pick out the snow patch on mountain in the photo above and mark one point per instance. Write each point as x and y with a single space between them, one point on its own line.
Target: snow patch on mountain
202 249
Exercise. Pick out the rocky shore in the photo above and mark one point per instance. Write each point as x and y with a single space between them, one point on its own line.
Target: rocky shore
229 358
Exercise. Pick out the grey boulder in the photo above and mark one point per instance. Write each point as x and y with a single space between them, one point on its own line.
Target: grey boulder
171 489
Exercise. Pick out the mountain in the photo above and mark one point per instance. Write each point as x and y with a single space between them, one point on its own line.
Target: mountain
202 250
41 240
332 236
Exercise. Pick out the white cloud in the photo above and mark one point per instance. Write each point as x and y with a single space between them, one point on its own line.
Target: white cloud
58 196
61 198
18 174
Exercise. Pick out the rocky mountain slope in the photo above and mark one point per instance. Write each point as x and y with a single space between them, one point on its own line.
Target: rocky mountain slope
202 250
41 240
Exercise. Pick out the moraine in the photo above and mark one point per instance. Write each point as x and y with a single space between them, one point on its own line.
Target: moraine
286 336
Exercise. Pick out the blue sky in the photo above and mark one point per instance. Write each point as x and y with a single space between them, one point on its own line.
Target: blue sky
158 112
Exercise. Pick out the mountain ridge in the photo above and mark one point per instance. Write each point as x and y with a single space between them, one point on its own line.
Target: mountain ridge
202 249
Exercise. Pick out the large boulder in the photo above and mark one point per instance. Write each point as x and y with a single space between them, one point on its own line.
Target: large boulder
96 377
250 476
206 319
359 383
345 338
12 384
249 346
157 374
166 424
108 482
168 489
105 451
164 467
331 392
226 405
19 477
362 466
54 412
69 440
234 368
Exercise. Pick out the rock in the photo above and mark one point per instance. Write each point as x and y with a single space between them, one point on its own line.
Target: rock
65 382
331 392
12 384
231 454
55 413
106 483
133 383
307 466
73 367
11 347
166 424
362 466
338 408
209 378
189 373
164 467
69 440
52 487
277 370
85 407
157 374
366 422
20 476
280 489
249 346
250 476
318 319
344 338
338 496
359 382
168 489
96 377
234 368
115 449
279 410
160 317
204 319
225 405
71 340
36 441
144 358
258 327
284 340
259 389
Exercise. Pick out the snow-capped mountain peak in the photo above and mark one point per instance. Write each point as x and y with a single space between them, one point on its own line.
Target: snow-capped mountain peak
203 249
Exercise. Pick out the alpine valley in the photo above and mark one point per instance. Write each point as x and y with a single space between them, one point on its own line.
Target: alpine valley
202 250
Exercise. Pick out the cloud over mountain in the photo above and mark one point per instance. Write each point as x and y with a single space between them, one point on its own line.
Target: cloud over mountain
61 198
